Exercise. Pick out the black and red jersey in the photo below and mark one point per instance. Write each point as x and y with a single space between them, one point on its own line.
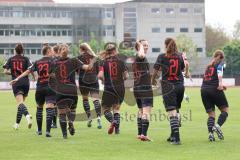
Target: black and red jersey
171 67
43 67
18 64
210 78
141 72
63 81
89 76
113 68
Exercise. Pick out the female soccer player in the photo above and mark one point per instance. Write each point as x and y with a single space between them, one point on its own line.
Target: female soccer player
212 94
88 83
171 64
62 80
15 66
142 89
55 57
43 94
112 72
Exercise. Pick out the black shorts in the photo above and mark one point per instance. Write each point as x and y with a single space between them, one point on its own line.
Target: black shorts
144 102
85 88
172 100
212 97
64 102
45 94
143 96
112 97
20 90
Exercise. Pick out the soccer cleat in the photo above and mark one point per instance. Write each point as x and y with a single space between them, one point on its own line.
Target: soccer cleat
145 138
175 142
29 121
16 126
89 123
211 137
99 123
54 125
39 133
48 135
111 128
71 129
219 132
117 131
170 139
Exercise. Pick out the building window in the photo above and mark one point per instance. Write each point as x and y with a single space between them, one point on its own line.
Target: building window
58 33
109 13
1 13
17 14
33 51
169 30
169 10
1 32
32 14
183 10
156 50
49 33
64 33
17 33
130 24
1 51
198 10
109 30
197 30
80 33
54 33
156 30
69 33
199 49
156 10
184 30
33 33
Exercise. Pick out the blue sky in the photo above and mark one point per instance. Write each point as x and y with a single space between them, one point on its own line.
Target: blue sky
218 12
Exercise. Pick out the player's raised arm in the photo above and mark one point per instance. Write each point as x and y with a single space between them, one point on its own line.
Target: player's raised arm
140 50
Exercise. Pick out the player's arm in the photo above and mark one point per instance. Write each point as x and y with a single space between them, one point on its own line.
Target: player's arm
140 51
156 71
186 71
155 76
220 77
26 73
6 67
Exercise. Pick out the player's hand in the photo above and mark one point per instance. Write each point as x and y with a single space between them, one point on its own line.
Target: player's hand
220 87
13 81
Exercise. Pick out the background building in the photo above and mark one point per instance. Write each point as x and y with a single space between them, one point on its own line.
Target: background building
33 23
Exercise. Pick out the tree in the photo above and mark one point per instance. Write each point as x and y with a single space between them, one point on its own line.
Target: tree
184 42
236 32
232 56
216 38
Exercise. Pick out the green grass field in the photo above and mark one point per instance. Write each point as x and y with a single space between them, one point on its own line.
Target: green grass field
91 143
